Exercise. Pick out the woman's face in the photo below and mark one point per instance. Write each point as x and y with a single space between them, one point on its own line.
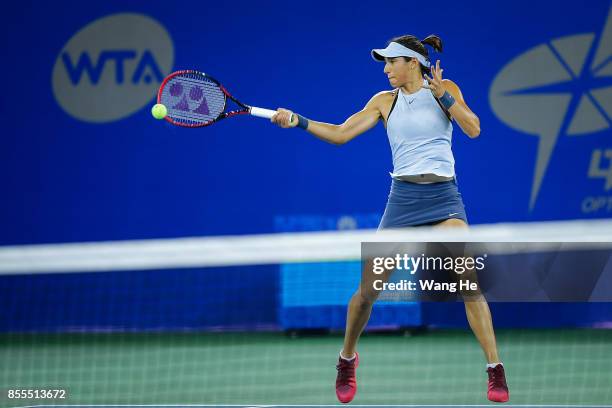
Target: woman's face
399 71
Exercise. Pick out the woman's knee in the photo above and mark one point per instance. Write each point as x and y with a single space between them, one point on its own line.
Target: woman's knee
365 297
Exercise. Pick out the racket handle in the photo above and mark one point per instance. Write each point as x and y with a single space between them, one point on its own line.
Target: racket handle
262 113
265 113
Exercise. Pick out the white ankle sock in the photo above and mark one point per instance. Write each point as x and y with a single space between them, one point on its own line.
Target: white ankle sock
347 359
493 365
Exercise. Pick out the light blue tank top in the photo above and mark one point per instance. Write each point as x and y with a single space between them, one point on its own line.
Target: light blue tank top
420 136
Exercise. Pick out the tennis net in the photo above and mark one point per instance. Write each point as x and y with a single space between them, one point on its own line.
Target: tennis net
258 320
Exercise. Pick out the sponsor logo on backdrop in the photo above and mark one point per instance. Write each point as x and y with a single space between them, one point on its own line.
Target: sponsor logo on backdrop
562 88
112 67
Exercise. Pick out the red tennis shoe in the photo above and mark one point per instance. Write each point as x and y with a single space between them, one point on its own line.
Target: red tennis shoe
498 389
346 382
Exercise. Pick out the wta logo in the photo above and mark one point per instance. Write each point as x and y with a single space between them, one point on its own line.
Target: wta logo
559 89
112 67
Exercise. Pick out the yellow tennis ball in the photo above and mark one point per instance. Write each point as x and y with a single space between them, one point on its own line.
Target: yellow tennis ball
159 111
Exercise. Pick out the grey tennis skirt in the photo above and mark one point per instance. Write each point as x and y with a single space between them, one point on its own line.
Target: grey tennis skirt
413 204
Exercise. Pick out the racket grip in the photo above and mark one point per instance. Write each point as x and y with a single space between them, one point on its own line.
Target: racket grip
262 113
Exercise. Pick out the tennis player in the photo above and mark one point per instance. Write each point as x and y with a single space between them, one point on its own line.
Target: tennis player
418 115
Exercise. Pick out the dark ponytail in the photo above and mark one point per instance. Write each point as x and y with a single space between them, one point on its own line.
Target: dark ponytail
433 41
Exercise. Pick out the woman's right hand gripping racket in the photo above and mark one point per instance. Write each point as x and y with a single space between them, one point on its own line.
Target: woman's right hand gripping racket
195 99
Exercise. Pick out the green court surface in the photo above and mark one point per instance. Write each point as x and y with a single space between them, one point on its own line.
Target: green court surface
544 367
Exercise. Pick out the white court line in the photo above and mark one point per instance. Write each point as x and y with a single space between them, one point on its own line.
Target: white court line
307 405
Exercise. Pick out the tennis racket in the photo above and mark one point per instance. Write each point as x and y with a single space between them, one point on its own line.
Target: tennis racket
195 99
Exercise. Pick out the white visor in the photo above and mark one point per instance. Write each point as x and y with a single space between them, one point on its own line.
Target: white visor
398 50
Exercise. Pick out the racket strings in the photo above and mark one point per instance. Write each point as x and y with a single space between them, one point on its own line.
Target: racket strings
193 99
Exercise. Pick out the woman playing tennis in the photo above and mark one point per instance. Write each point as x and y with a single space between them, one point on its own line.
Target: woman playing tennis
418 116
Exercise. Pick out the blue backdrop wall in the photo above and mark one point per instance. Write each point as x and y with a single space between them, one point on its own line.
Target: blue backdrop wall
82 159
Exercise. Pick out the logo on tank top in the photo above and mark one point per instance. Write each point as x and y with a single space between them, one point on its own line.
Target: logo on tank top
556 90
112 67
